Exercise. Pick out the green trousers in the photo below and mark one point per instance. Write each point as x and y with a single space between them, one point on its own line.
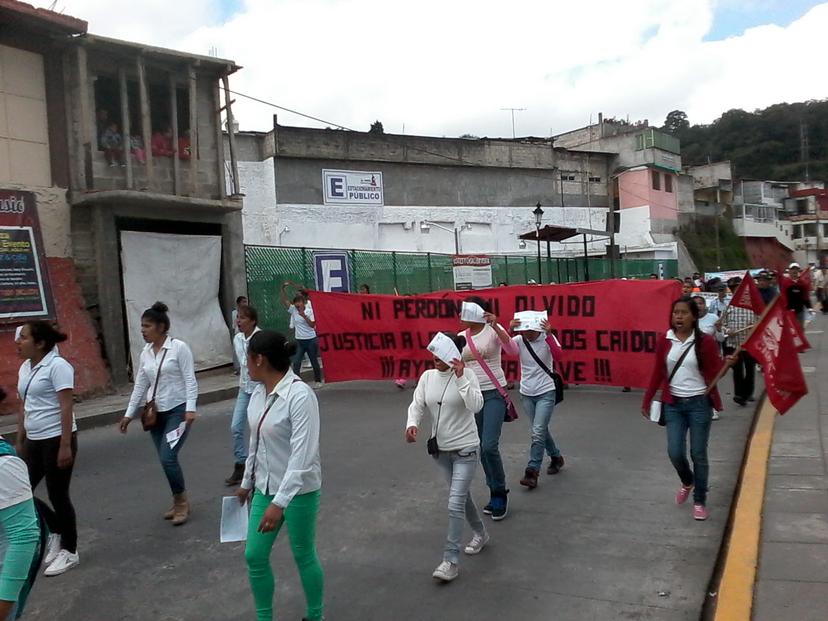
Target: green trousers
19 536
300 518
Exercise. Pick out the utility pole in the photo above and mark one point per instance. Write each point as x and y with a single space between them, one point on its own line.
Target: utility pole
804 155
718 244
513 110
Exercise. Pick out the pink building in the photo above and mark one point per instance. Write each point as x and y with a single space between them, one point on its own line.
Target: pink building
650 186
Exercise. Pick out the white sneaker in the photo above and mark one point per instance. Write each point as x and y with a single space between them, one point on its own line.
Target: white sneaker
715 415
477 543
445 571
317 385
52 549
65 561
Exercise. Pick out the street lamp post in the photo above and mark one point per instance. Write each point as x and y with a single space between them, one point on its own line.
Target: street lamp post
538 213
426 224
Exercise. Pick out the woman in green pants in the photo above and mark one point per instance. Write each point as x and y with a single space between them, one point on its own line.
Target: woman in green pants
282 471
19 533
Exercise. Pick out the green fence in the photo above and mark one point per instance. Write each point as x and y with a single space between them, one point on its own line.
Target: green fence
410 273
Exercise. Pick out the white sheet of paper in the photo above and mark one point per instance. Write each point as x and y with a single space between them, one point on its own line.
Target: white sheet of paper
531 320
234 520
444 348
472 313
175 435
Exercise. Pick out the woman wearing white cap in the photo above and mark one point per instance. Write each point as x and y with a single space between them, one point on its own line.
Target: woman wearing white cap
485 341
451 394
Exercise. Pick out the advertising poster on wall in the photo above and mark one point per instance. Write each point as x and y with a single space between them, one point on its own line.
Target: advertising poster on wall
472 272
24 282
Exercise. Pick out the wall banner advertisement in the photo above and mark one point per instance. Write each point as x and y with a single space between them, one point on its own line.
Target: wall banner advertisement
25 292
352 187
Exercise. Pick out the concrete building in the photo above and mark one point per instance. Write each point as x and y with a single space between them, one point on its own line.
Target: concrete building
34 184
119 225
645 164
807 213
485 188
481 191
166 197
759 217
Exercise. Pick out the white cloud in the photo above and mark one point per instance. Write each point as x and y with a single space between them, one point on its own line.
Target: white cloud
447 67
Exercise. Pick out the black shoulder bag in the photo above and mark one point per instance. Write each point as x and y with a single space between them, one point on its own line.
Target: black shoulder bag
559 385
431 445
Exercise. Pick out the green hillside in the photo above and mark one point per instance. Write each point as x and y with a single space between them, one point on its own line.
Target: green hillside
763 144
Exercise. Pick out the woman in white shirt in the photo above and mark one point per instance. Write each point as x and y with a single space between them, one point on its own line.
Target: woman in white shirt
247 324
451 395
283 471
174 391
47 439
19 532
490 340
537 393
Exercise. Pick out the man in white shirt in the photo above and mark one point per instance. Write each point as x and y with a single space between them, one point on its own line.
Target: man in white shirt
717 307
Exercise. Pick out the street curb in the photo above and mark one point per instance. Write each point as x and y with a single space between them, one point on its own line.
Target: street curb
741 548
113 415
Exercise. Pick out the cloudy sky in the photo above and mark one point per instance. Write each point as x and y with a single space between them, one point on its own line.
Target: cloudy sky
448 67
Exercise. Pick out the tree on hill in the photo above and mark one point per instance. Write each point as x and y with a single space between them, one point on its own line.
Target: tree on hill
376 128
676 122
763 144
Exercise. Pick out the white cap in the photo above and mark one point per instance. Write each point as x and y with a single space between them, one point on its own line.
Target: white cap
794 265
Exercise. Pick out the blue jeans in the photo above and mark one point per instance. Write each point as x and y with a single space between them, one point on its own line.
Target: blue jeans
539 412
694 414
167 421
489 424
311 348
237 426
459 467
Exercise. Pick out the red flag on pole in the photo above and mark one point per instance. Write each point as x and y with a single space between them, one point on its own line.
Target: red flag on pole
747 295
774 345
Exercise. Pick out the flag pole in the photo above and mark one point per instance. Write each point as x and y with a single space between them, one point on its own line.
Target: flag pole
730 363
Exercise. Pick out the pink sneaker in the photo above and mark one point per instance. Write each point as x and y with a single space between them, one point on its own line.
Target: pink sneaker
682 494
700 513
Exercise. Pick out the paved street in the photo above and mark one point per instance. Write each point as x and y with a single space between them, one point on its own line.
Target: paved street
602 540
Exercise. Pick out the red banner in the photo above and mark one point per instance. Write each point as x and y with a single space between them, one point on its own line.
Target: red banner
608 329
747 295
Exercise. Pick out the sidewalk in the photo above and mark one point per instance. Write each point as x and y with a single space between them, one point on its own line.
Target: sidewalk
213 385
792 580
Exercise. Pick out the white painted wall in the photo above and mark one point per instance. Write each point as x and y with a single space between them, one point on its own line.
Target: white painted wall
493 230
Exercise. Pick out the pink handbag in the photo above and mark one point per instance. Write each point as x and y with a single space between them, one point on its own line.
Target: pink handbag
511 410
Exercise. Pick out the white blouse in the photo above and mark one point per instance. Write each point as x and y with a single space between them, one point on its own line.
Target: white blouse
177 384
284 454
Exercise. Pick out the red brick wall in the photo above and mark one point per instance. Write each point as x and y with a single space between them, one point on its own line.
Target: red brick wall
82 348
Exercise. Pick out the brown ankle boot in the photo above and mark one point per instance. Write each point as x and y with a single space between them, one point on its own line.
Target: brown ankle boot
236 477
169 514
181 509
